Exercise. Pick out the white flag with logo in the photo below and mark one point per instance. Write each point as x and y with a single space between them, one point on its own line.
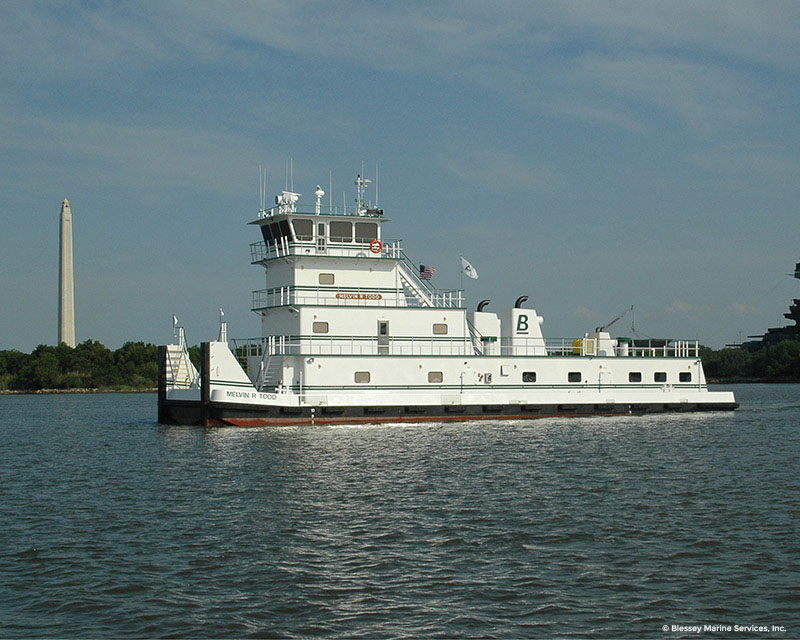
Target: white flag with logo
468 269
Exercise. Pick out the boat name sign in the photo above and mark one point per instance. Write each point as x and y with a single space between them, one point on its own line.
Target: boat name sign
359 296
251 394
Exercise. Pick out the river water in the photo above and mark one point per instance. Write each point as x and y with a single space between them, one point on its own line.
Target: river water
588 527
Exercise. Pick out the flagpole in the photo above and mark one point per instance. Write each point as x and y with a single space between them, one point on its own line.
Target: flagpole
463 314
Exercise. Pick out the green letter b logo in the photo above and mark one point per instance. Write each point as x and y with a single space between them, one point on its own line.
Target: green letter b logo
522 323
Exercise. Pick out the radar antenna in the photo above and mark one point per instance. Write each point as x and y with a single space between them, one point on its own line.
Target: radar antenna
319 193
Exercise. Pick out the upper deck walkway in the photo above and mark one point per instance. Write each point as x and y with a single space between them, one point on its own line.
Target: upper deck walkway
284 247
356 297
350 345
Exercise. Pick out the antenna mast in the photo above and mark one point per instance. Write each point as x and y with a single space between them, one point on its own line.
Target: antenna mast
361 184
262 188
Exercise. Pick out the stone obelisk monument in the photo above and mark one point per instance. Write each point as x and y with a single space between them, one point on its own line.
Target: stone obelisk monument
66 279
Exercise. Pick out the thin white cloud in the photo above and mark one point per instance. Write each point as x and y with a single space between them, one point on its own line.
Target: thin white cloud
500 171
583 312
288 112
135 154
705 98
750 166
762 32
680 307
679 56
744 309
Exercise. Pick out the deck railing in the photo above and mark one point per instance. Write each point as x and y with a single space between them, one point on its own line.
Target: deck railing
352 297
281 247
306 209
445 346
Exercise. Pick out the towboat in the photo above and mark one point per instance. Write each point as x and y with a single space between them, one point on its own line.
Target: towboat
353 331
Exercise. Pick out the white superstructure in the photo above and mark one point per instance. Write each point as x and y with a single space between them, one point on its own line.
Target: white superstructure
351 332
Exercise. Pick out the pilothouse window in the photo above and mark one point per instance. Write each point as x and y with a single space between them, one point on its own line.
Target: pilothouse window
303 229
366 231
341 231
276 231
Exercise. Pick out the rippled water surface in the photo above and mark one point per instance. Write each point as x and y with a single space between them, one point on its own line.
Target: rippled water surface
590 527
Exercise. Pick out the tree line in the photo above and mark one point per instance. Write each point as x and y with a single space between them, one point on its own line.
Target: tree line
776 363
89 365
134 366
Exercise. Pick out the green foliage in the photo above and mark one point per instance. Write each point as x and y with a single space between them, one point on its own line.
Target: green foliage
194 356
726 363
778 363
89 365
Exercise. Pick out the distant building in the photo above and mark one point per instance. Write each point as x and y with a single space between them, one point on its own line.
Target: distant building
779 334
66 279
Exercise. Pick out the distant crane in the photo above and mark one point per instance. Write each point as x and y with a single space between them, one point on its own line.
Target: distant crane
619 317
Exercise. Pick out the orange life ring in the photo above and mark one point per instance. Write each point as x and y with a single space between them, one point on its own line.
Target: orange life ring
375 246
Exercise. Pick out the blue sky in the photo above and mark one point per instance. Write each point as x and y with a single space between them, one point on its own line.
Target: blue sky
589 155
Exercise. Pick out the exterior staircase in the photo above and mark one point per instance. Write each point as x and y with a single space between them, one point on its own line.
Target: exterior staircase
181 372
271 373
413 283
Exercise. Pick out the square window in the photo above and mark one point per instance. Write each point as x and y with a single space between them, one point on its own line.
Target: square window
439 329
574 376
635 376
685 376
320 327
529 376
435 376
660 376
326 278
362 376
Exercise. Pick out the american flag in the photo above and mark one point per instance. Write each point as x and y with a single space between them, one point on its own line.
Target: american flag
426 273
